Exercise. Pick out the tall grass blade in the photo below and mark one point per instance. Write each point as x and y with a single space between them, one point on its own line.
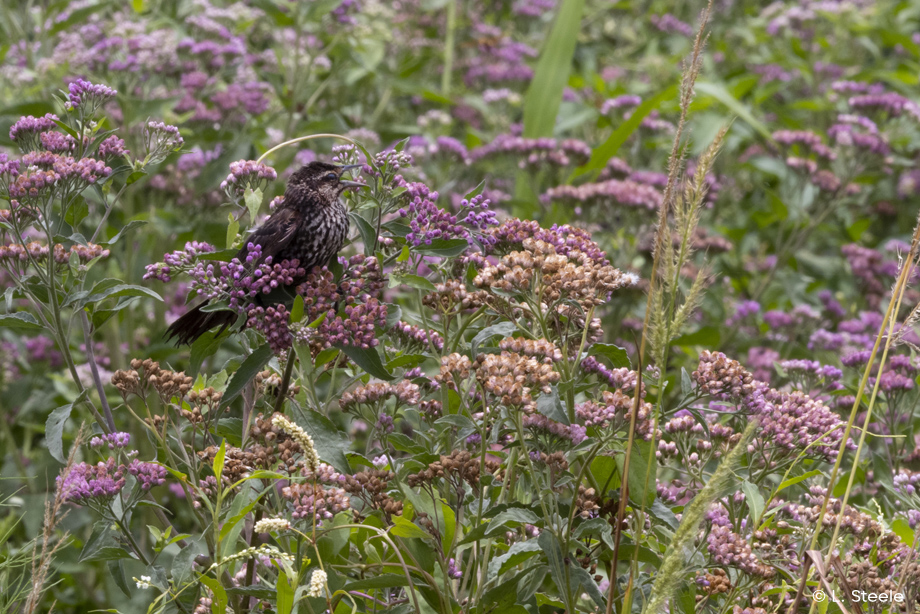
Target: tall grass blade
541 103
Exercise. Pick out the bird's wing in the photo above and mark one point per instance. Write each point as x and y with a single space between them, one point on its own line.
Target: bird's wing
273 236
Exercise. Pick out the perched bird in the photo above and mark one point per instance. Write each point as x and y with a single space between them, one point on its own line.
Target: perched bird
310 226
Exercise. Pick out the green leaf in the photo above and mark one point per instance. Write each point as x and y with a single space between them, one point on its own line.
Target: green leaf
606 472
444 248
204 346
502 328
233 230
219 605
182 564
609 148
721 94
246 373
121 233
368 233
21 320
544 96
413 281
120 290
754 500
117 571
368 359
586 582
297 310
253 200
77 16
615 354
555 556
551 406
796 480
387 580
102 545
902 529
596 526
272 9
54 432
218 465
517 554
76 212
408 529
514 514
285 594
856 230
708 336
640 489
331 444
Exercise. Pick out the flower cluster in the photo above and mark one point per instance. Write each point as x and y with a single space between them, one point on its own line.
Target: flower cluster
535 153
238 281
181 260
722 377
628 193
428 222
85 484
376 393
87 97
112 440
247 175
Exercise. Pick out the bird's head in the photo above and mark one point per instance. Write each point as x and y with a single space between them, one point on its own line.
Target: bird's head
321 181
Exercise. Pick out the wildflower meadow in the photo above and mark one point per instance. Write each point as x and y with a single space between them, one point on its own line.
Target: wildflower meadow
617 308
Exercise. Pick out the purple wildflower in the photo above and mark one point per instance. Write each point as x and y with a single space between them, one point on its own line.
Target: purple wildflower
25 132
87 96
86 483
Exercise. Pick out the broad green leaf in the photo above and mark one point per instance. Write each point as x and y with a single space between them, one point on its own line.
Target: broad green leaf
233 230
22 320
413 281
754 500
544 96
641 490
368 359
246 373
615 354
387 580
54 432
502 328
331 443
406 528
253 200
444 248
708 336
285 594
297 310
551 406
796 480
218 465
204 346
517 554
219 605
115 292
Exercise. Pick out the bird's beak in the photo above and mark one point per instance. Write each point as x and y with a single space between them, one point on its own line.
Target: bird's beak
352 184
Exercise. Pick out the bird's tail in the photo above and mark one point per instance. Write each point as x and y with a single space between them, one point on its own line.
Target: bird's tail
197 322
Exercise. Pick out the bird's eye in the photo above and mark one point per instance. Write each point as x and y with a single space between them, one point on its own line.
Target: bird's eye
331 177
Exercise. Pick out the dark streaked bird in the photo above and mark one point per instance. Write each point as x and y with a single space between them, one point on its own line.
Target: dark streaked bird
310 226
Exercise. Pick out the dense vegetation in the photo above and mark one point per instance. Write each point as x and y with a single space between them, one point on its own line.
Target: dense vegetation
626 322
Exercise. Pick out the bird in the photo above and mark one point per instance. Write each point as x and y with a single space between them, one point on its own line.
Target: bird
310 226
